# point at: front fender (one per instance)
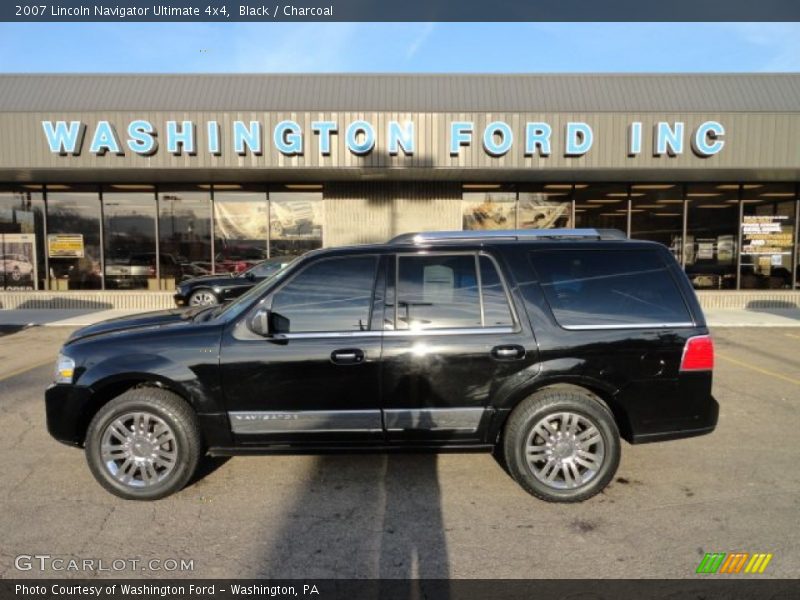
(199, 389)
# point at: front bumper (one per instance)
(68, 411)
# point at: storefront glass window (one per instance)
(544, 207)
(295, 222)
(657, 214)
(184, 218)
(489, 210)
(73, 237)
(601, 206)
(129, 218)
(22, 239)
(711, 235)
(768, 215)
(241, 227)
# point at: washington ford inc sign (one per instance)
(497, 138)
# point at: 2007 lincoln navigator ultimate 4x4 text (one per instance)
(548, 346)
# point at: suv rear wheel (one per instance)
(143, 445)
(562, 445)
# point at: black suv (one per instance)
(547, 346)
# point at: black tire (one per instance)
(164, 409)
(548, 406)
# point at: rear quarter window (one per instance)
(588, 288)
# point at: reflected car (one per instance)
(216, 289)
(16, 267)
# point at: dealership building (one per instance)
(115, 187)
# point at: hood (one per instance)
(212, 280)
(161, 318)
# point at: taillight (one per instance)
(698, 354)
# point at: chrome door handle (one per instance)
(508, 352)
(349, 356)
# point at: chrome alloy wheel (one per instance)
(564, 450)
(139, 449)
(202, 298)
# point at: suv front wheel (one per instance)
(144, 444)
(562, 445)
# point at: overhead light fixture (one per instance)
(714, 206)
(703, 194)
(29, 186)
(58, 186)
(481, 186)
(653, 186)
(604, 201)
(560, 186)
(647, 205)
(777, 195)
(622, 194)
(131, 186)
(735, 186)
(669, 201)
(586, 206)
(667, 214)
(612, 214)
(226, 186)
(303, 186)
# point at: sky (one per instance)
(399, 47)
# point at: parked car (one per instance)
(133, 271)
(16, 267)
(549, 346)
(215, 289)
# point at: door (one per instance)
(316, 377)
(451, 340)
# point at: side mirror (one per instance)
(260, 322)
(249, 275)
(267, 323)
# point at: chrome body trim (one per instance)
(629, 326)
(305, 421)
(392, 333)
(465, 420)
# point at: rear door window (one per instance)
(609, 288)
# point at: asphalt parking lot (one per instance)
(451, 515)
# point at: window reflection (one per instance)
(241, 228)
(489, 210)
(331, 295)
(73, 238)
(768, 222)
(22, 263)
(295, 222)
(601, 206)
(711, 234)
(544, 207)
(657, 214)
(185, 227)
(130, 238)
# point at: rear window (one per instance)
(609, 288)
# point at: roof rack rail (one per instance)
(508, 234)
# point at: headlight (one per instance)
(65, 369)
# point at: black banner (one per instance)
(709, 587)
(405, 10)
